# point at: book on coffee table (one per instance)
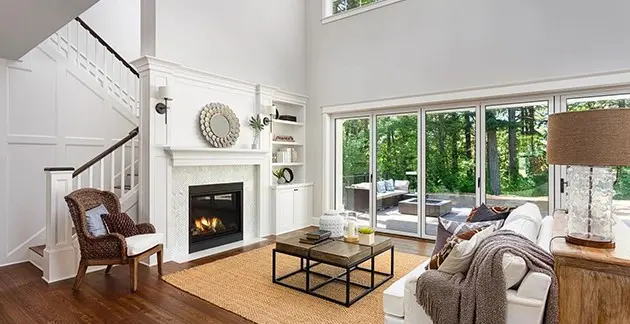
(318, 234)
(309, 241)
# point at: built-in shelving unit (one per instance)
(296, 130)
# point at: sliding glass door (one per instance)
(396, 199)
(516, 166)
(353, 185)
(450, 165)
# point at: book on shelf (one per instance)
(318, 234)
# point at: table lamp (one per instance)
(590, 142)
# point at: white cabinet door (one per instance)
(302, 201)
(284, 210)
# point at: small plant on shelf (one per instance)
(366, 235)
(258, 125)
(279, 174)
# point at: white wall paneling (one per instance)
(56, 115)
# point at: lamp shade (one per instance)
(598, 137)
(164, 92)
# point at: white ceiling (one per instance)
(26, 23)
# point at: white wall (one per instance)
(56, 115)
(416, 47)
(26, 23)
(118, 23)
(253, 40)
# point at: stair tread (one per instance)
(39, 249)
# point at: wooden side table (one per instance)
(594, 284)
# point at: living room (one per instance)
(333, 160)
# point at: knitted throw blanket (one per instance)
(479, 297)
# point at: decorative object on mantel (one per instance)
(219, 125)
(288, 118)
(283, 138)
(590, 142)
(278, 173)
(164, 93)
(258, 125)
(333, 222)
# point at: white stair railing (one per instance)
(83, 47)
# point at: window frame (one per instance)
(328, 16)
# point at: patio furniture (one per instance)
(358, 196)
(433, 207)
(110, 249)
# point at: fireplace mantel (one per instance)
(199, 156)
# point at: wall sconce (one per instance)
(162, 108)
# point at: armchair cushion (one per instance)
(139, 243)
(94, 222)
(120, 223)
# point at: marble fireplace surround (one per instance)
(198, 166)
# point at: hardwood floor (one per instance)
(26, 298)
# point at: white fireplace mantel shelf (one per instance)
(199, 156)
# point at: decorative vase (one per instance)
(366, 239)
(333, 222)
(280, 180)
(256, 143)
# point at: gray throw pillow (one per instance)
(95, 225)
(380, 187)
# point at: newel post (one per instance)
(59, 255)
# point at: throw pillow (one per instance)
(401, 185)
(389, 185)
(447, 228)
(380, 187)
(94, 222)
(458, 261)
(120, 223)
(486, 213)
(438, 258)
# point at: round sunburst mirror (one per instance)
(219, 125)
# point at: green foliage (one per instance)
(278, 173)
(256, 123)
(366, 230)
(516, 150)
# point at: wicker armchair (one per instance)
(110, 249)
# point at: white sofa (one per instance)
(526, 291)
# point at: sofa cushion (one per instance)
(514, 269)
(460, 258)
(94, 222)
(545, 233)
(393, 296)
(139, 243)
(389, 185)
(523, 227)
(527, 211)
(401, 185)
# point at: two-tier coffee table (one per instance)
(337, 253)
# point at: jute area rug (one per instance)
(242, 284)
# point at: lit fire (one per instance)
(208, 224)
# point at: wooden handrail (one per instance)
(132, 134)
(109, 48)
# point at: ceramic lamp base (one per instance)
(593, 241)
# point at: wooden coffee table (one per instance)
(338, 253)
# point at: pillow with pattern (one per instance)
(389, 185)
(458, 228)
(489, 213)
(120, 223)
(438, 258)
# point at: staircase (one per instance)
(115, 169)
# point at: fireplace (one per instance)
(215, 215)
